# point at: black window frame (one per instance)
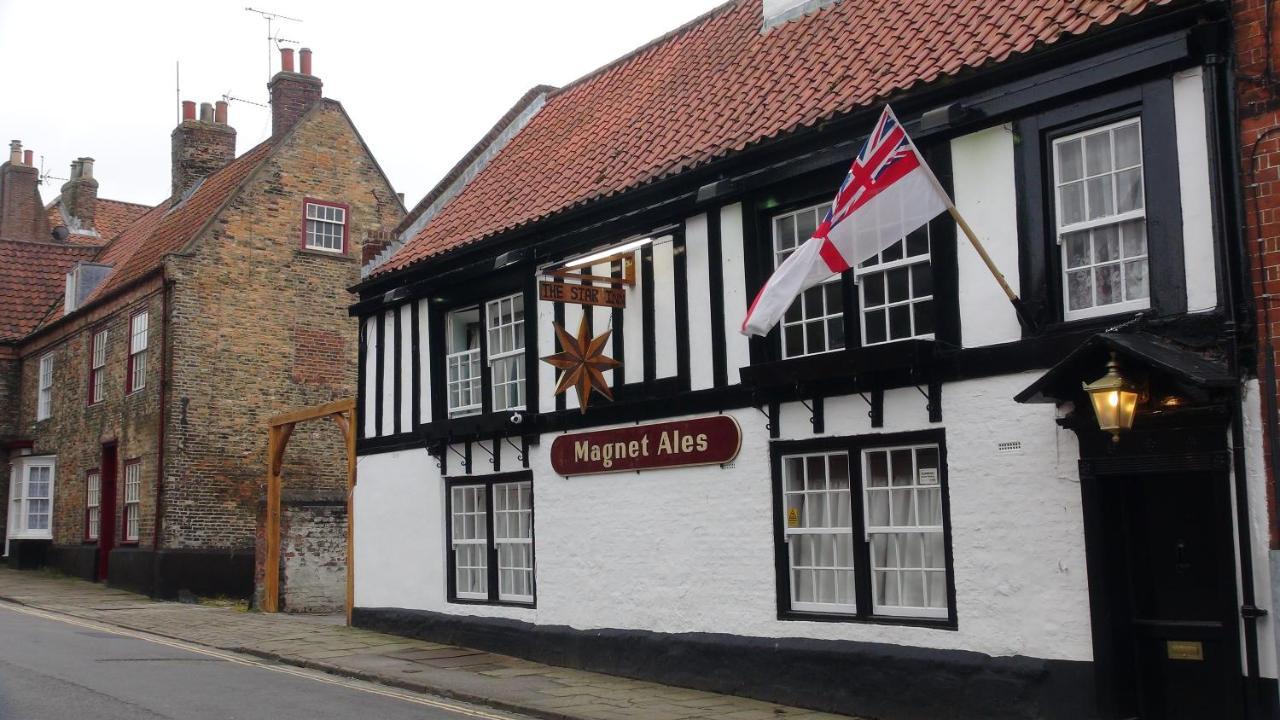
(818, 187)
(488, 481)
(854, 445)
(1040, 256)
(518, 280)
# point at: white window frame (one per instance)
(782, 248)
(97, 368)
(506, 355)
(878, 265)
(464, 391)
(819, 531)
(139, 331)
(132, 498)
(1116, 219)
(901, 529)
(513, 530)
(321, 221)
(21, 498)
(92, 504)
(44, 393)
(478, 536)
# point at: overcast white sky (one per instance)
(422, 80)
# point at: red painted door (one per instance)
(107, 529)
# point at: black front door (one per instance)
(1171, 576)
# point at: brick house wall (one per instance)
(256, 312)
(76, 430)
(1258, 103)
(9, 373)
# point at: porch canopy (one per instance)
(1172, 369)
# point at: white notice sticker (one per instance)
(928, 476)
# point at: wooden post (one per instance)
(271, 564)
(279, 430)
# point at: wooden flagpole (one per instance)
(1023, 316)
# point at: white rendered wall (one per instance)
(406, 367)
(982, 165)
(1193, 180)
(388, 373)
(633, 328)
(701, 324)
(691, 550)
(1259, 529)
(370, 331)
(424, 365)
(545, 315)
(664, 306)
(733, 275)
(601, 320)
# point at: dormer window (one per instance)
(325, 227)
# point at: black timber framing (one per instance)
(715, 286)
(415, 350)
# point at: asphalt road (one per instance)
(61, 669)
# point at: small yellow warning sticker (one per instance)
(793, 517)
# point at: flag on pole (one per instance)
(888, 193)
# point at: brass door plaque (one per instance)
(1185, 650)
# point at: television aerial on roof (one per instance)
(274, 41)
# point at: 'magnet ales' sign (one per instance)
(701, 441)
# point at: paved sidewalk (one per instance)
(496, 680)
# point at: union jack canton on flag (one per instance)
(889, 192)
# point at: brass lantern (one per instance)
(1114, 398)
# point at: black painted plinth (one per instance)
(874, 680)
(163, 574)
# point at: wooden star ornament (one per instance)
(582, 363)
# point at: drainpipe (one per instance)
(165, 364)
(1222, 80)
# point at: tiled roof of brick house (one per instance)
(32, 282)
(719, 85)
(111, 217)
(165, 230)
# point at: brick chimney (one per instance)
(21, 211)
(292, 93)
(80, 193)
(201, 146)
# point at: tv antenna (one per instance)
(273, 37)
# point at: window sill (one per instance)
(343, 257)
(930, 623)
(497, 603)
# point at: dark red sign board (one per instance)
(711, 440)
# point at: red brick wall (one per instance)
(260, 328)
(1258, 98)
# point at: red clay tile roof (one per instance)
(718, 85)
(164, 230)
(111, 217)
(33, 282)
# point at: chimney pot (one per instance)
(188, 110)
(15, 152)
(292, 95)
(27, 158)
(220, 112)
(286, 59)
(199, 149)
(86, 168)
(206, 113)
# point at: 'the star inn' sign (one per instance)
(582, 363)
